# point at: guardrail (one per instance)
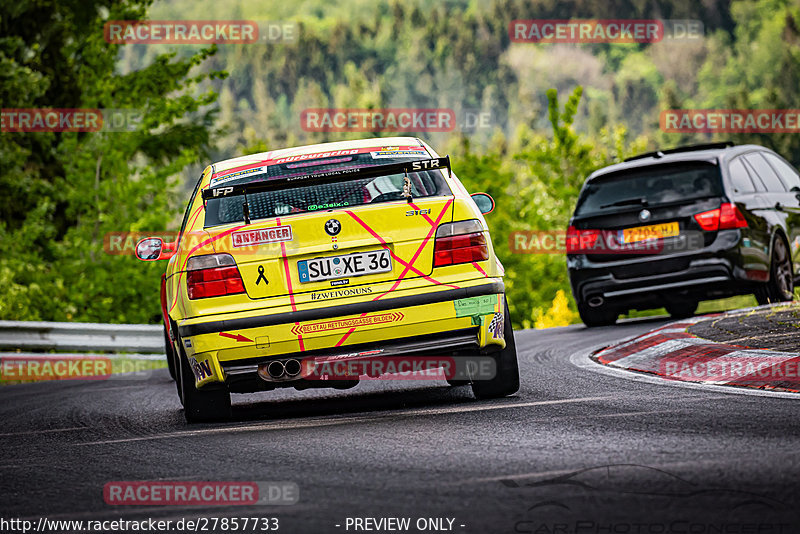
(82, 337)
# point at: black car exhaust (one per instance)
(596, 301)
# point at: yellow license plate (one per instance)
(653, 231)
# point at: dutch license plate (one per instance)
(358, 264)
(653, 231)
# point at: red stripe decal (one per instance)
(408, 266)
(474, 264)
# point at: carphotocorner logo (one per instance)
(198, 32)
(618, 31)
(657, 501)
(730, 120)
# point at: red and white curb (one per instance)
(672, 353)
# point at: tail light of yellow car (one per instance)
(213, 275)
(460, 242)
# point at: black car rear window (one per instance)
(347, 192)
(651, 186)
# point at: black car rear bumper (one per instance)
(698, 280)
(712, 272)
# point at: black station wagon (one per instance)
(674, 227)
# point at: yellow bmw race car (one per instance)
(314, 266)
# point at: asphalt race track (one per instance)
(574, 451)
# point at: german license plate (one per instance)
(358, 264)
(653, 231)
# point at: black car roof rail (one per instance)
(687, 148)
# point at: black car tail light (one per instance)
(580, 240)
(726, 217)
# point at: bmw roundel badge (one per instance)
(333, 227)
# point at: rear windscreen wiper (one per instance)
(641, 201)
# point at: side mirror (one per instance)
(484, 202)
(149, 248)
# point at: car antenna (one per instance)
(246, 208)
(407, 186)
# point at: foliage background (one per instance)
(558, 112)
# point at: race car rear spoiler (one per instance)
(327, 176)
(323, 177)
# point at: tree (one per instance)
(535, 181)
(62, 192)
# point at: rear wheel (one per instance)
(456, 383)
(780, 287)
(211, 403)
(170, 352)
(506, 380)
(177, 354)
(681, 310)
(600, 316)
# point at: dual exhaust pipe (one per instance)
(280, 370)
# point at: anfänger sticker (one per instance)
(262, 235)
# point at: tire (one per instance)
(681, 310)
(169, 350)
(506, 380)
(457, 383)
(599, 316)
(211, 403)
(177, 354)
(780, 287)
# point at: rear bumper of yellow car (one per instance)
(404, 322)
